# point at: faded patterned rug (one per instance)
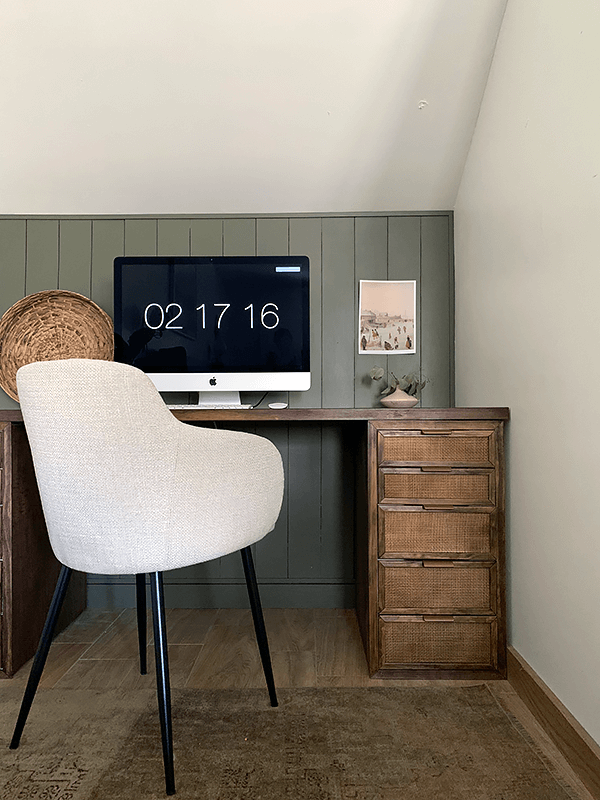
(384, 743)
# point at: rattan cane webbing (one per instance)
(434, 532)
(436, 643)
(460, 449)
(468, 487)
(436, 588)
(48, 326)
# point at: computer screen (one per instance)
(214, 324)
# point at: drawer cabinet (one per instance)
(435, 597)
(28, 568)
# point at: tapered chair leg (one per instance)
(259, 622)
(140, 601)
(41, 654)
(163, 687)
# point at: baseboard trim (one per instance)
(576, 745)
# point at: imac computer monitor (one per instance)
(214, 325)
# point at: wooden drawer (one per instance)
(407, 531)
(437, 587)
(446, 643)
(452, 448)
(437, 489)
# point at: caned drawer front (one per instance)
(452, 448)
(436, 488)
(437, 588)
(419, 642)
(402, 531)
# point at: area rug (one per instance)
(377, 743)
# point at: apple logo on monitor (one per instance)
(213, 381)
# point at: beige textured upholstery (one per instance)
(125, 487)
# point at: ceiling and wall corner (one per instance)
(527, 241)
(130, 107)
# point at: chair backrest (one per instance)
(125, 486)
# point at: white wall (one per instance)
(528, 326)
(238, 106)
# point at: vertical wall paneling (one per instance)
(305, 240)
(338, 325)
(108, 242)
(404, 264)
(304, 472)
(371, 252)
(242, 237)
(229, 567)
(272, 552)
(12, 261)
(272, 239)
(239, 237)
(337, 506)
(308, 559)
(75, 255)
(174, 237)
(207, 237)
(12, 266)
(198, 577)
(141, 237)
(437, 340)
(42, 255)
(304, 485)
(451, 311)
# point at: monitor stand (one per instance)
(213, 400)
(216, 399)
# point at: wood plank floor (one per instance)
(217, 649)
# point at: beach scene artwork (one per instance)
(387, 316)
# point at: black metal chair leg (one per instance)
(140, 600)
(163, 687)
(259, 622)
(41, 654)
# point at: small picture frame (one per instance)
(387, 312)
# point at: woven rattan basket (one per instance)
(50, 325)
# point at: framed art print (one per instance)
(387, 317)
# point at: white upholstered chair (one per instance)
(128, 489)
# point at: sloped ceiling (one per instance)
(231, 106)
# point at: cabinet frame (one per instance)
(402, 447)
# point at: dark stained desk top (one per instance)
(317, 414)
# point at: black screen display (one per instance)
(221, 314)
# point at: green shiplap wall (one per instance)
(308, 560)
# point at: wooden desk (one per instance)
(28, 568)
(429, 495)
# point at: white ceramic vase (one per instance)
(399, 399)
